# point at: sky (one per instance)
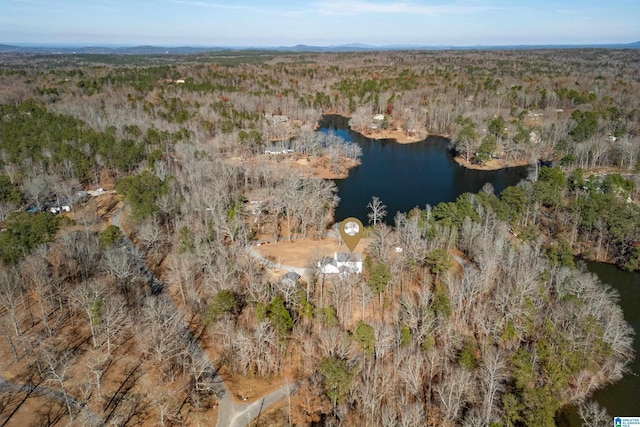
(263, 23)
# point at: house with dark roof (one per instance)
(290, 279)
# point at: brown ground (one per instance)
(35, 409)
(43, 410)
(491, 164)
(95, 213)
(319, 167)
(299, 253)
(401, 137)
(32, 410)
(457, 268)
(309, 166)
(246, 389)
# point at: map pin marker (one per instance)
(351, 230)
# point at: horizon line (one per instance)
(279, 46)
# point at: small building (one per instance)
(278, 151)
(290, 279)
(59, 209)
(377, 121)
(276, 118)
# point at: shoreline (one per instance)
(491, 165)
(317, 167)
(401, 137)
(398, 136)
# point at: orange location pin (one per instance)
(351, 230)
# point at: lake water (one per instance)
(621, 399)
(404, 176)
(407, 175)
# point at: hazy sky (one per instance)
(321, 22)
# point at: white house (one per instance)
(278, 151)
(342, 262)
(377, 121)
(276, 118)
(328, 265)
(59, 209)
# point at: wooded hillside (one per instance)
(144, 305)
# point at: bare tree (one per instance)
(413, 415)
(452, 391)
(378, 210)
(593, 415)
(361, 118)
(6, 208)
(381, 242)
(257, 351)
(410, 373)
(119, 263)
(56, 366)
(96, 366)
(150, 233)
(38, 189)
(89, 297)
(114, 323)
(158, 330)
(35, 270)
(308, 404)
(183, 272)
(11, 296)
(493, 376)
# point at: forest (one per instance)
(132, 189)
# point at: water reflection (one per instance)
(621, 399)
(404, 176)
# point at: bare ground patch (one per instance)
(491, 164)
(305, 252)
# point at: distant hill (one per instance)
(129, 50)
(352, 47)
(8, 48)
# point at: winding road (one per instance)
(234, 414)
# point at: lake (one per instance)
(621, 399)
(404, 176)
(407, 175)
